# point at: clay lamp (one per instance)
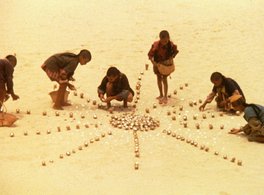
(58, 129)
(136, 166)
(12, 134)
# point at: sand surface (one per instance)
(225, 36)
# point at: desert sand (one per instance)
(219, 35)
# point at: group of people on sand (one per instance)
(115, 85)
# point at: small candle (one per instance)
(136, 166)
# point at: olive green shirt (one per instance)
(65, 61)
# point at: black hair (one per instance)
(216, 76)
(112, 71)
(12, 58)
(85, 54)
(164, 34)
(240, 101)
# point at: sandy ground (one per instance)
(225, 36)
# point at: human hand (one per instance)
(101, 96)
(14, 96)
(71, 79)
(234, 131)
(71, 86)
(108, 99)
(201, 108)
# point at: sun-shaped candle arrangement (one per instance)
(183, 122)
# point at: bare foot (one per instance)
(165, 100)
(57, 107)
(159, 97)
(66, 104)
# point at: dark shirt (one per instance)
(6, 75)
(66, 61)
(230, 86)
(161, 53)
(120, 84)
(254, 111)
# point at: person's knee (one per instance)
(130, 97)
(109, 89)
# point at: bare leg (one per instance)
(60, 97)
(2, 95)
(165, 84)
(159, 82)
(125, 103)
(109, 92)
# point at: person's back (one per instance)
(121, 84)
(6, 78)
(235, 86)
(5, 67)
(254, 110)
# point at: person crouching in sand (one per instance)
(223, 89)
(7, 66)
(254, 115)
(162, 52)
(60, 68)
(116, 87)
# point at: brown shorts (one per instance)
(54, 75)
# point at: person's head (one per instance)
(237, 102)
(112, 74)
(84, 56)
(164, 37)
(217, 79)
(12, 60)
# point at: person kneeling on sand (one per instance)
(116, 87)
(253, 114)
(60, 68)
(223, 89)
(7, 66)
